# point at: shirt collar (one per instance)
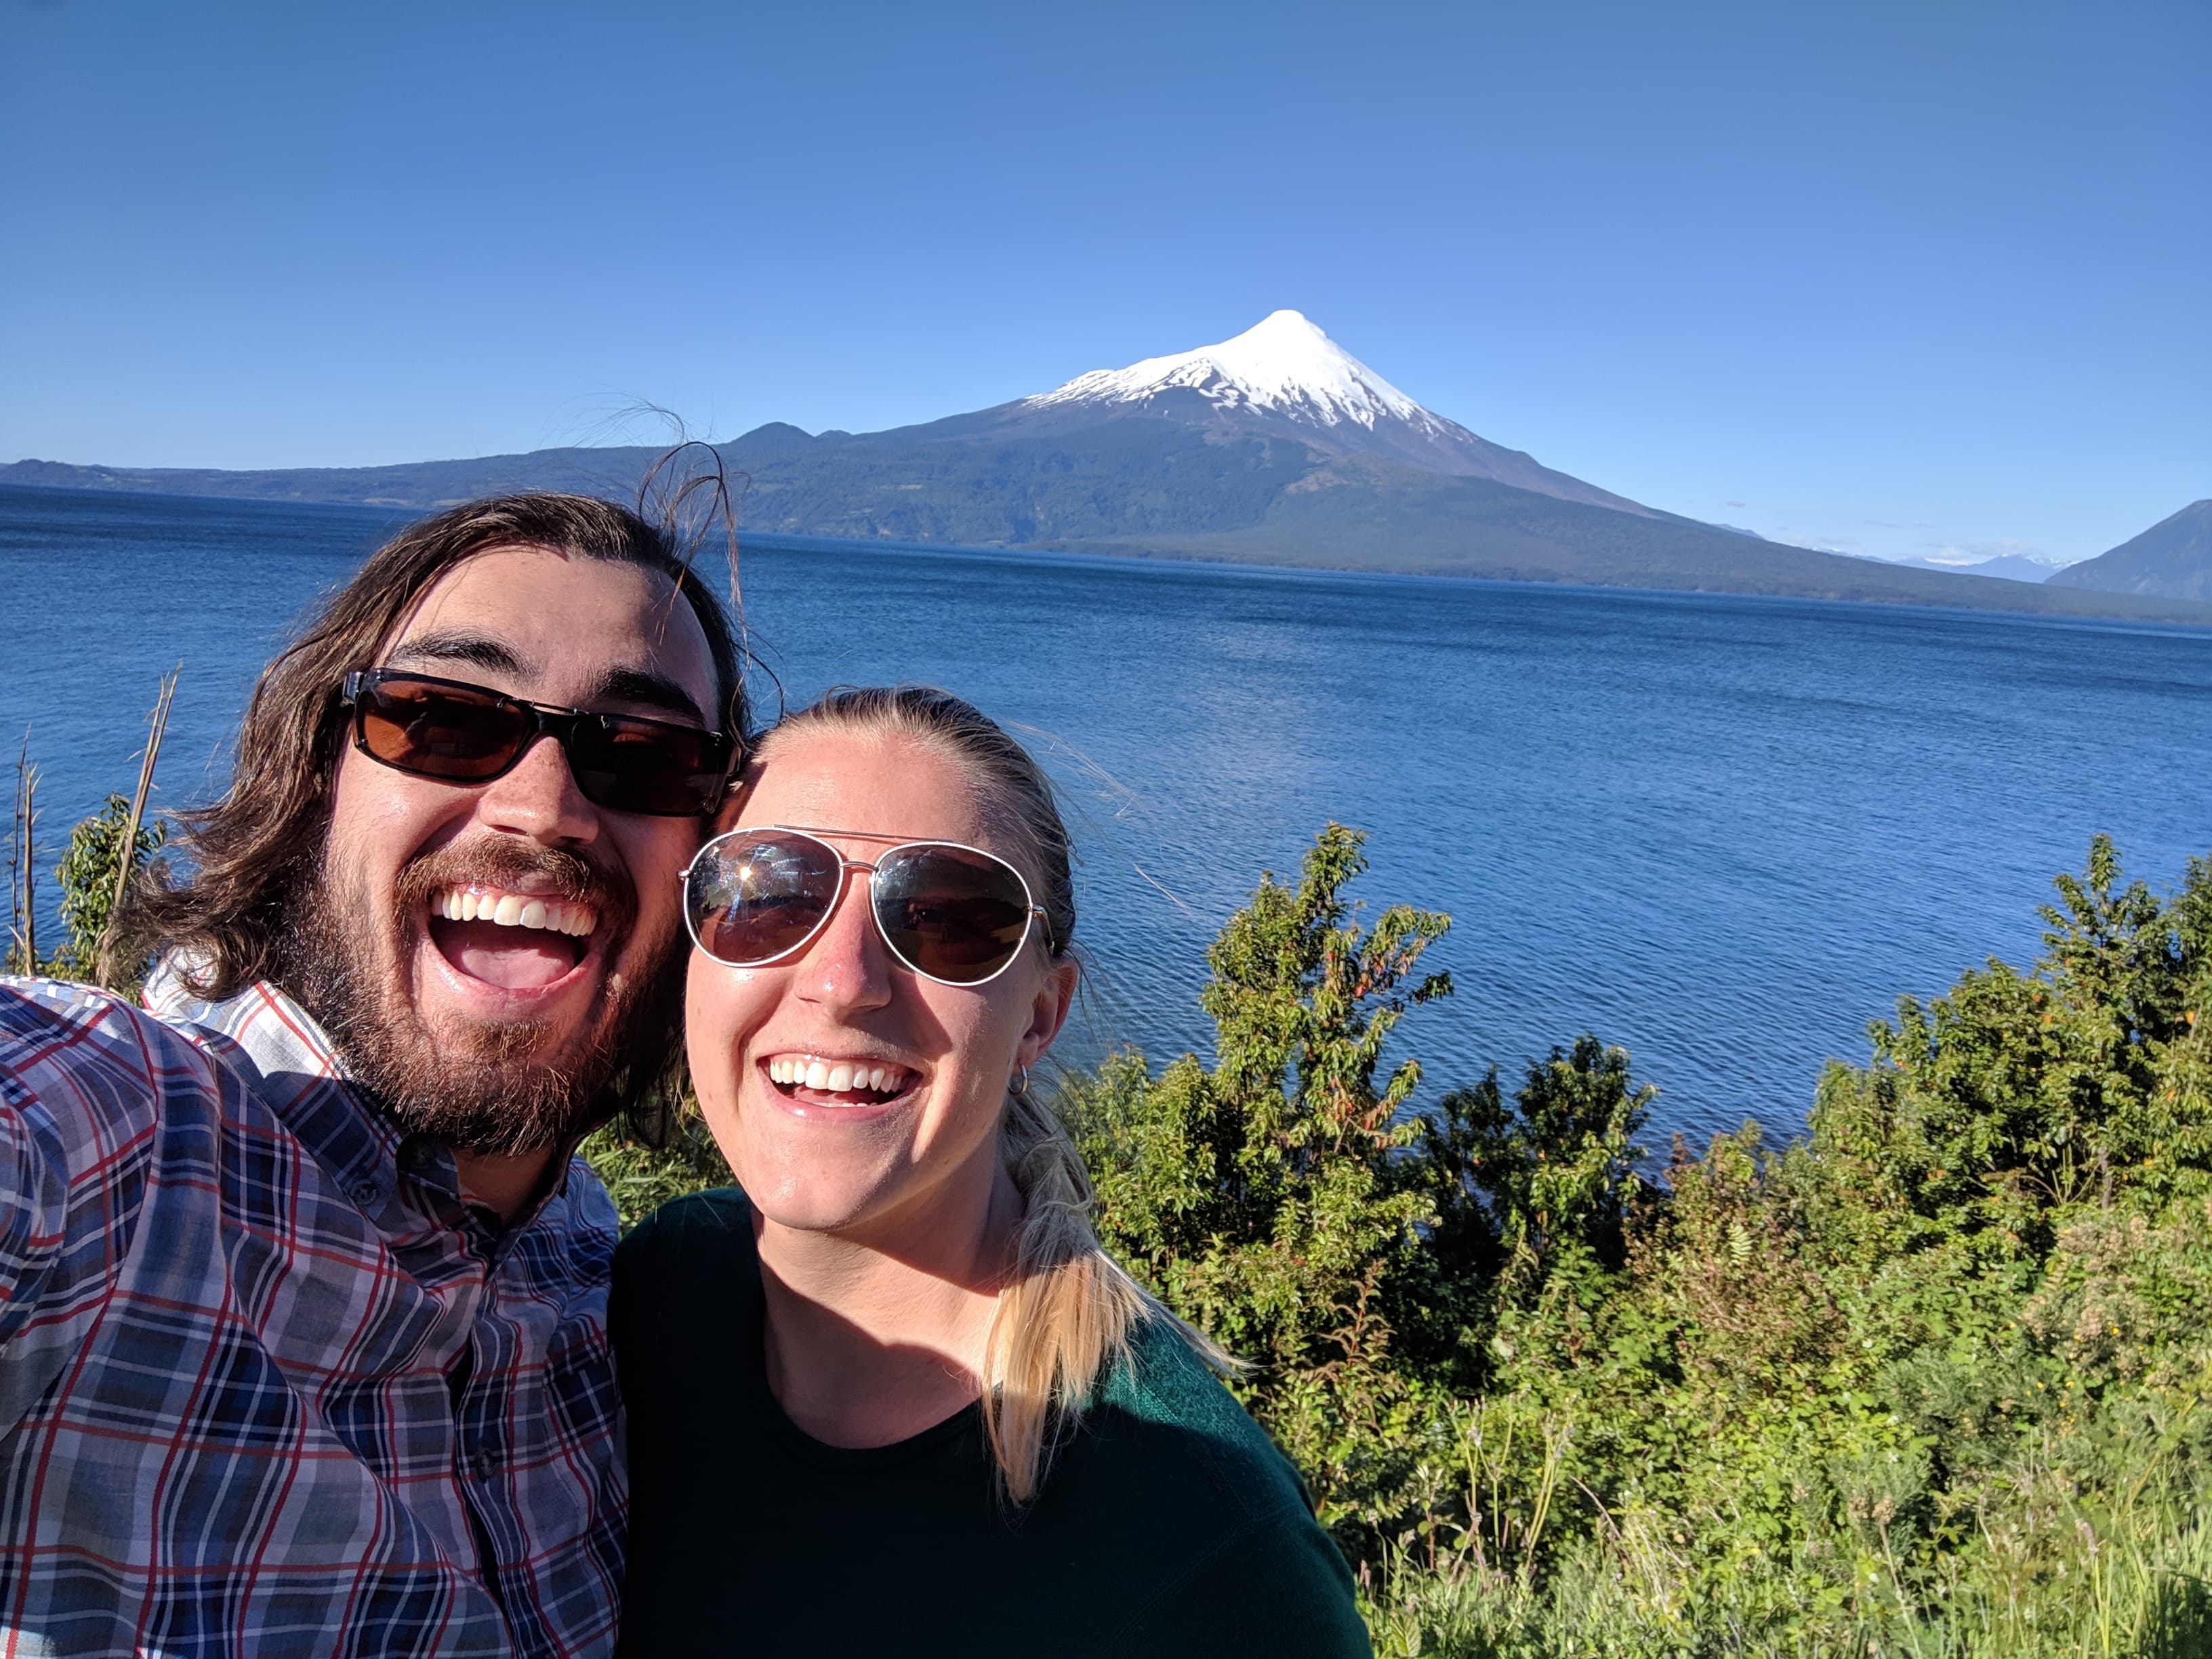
(291, 1063)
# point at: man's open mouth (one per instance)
(516, 941)
(822, 1080)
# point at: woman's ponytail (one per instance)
(1065, 1314)
(1066, 1317)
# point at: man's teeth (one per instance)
(514, 910)
(837, 1077)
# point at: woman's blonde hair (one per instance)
(1068, 1311)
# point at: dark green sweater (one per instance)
(1169, 1524)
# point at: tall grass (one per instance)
(2051, 1569)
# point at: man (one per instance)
(302, 1296)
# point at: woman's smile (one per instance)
(843, 1083)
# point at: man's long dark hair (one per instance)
(252, 854)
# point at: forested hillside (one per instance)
(1158, 488)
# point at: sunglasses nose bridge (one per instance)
(543, 795)
(540, 723)
(853, 875)
(846, 961)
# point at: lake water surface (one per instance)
(1724, 833)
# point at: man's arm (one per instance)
(79, 1115)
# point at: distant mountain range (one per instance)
(1275, 448)
(2011, 566)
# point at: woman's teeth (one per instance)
(837, 1076)
(514, 910)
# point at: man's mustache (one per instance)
(503, 862)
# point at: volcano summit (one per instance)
(1284, 379)
(1276, 446)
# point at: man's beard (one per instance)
(480, 1090)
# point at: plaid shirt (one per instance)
(269, 1384)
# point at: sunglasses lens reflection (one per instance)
(952, 914)
(752, 898)
(646, 769)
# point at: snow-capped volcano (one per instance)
(1282, 365)
(1284, 379)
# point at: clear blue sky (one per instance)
(1889, 278)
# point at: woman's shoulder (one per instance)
(1168, 1456)
(1166, 1392)
(706, 1228)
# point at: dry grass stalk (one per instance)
(23, 864)
(157, 721)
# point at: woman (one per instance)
(890, 1397)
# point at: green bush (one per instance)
(86, 876)
(1932, 1379)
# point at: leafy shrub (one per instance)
(1932, 1379)
(86, 875)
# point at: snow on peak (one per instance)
(1282, 365)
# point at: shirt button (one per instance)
(365, 1192)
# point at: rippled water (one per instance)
(1723, 832)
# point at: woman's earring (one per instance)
(1022, 1086)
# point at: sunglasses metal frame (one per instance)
(544, 719)
(1034, 922)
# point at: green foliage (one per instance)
(642, 1178)
(87, 874)
(1289, 1201)
(1932, 1380)
(1557, 1172)
(1266, 1198)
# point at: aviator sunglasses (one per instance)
(463, 734)
(951, 913)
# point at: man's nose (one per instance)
(540, 798)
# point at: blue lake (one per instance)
(1724, 833)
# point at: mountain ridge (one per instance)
(2171, 559)
(2005, 567)
(1275, 446)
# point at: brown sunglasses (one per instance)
(463, 734)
